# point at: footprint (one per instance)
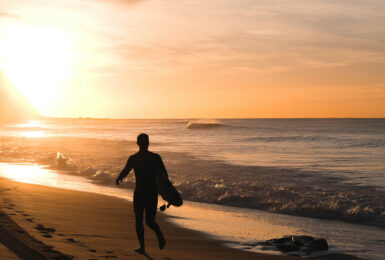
(43, 229)
(46, 232)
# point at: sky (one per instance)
(196, 58)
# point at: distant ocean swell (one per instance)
(338, 142)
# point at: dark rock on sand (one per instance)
(317, 245)
(287, 248)
(295, 245)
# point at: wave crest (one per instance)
(204, 124)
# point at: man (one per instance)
(145, 164)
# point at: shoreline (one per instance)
(332, 196)
(53, 224)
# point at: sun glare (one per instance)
(37, 60)
(23, 173)
(33, 134)
(34, 129)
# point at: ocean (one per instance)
(320, 168)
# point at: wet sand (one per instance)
(50, 223)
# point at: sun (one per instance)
(38, 61)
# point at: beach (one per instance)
(92, 226)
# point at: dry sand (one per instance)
(38, 222)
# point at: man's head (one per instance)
(143, 141)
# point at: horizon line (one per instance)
(204, 118)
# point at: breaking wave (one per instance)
(204, 124)
(284, 191)
(319, 139)
(327, 203)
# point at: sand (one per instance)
(6, 253)
(38, 222)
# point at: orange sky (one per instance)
(195, 58)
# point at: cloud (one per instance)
(261, 36)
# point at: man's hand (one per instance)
(118, 181)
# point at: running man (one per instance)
(145, 165)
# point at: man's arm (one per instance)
(125, 171)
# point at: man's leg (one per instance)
(138, 210)
(151, 208)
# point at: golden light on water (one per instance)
(38, 60)
(32, 124)
(33, 134)
(35, 131)
(23, 173)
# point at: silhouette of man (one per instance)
(145, 165)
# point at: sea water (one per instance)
(354, 148)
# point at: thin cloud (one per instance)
(262, 35)
(123, 2)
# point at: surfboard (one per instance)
(167, 190)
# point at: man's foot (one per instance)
(140, 250)
(162, 243)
